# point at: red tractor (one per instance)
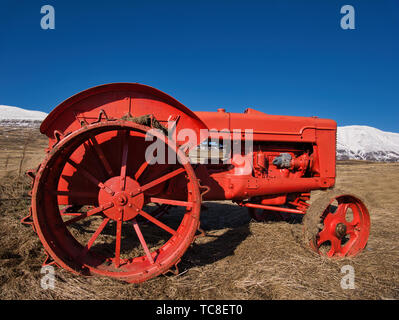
(97, 173)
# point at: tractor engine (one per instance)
(288, 155)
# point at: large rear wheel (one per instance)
(93, 198)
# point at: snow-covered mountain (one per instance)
(353, 142)
(367, 143)
(13, 116)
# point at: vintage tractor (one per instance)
(100, 197)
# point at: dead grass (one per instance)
(20, 149)
(238, 259)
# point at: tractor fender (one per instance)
(114, 101)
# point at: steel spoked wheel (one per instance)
(341, 228)
(100, 175)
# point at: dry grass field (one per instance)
(238, 258)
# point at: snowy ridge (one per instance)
(367, 143)
(14, 116)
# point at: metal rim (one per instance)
(344, 228)
(121, 199)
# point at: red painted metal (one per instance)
(272, 208)
(96, 168)
(114, 101)
(119, 203)
(346, 227)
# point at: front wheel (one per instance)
(337, 225)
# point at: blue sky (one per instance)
(281, 57)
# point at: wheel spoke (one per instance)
(335, 247)
(124, 159)
(71, 210)
(88, 145)
(323, 236)
(101, 156)
(141, 170)
(89, 176)
(155, 182)
(142, 241)
(172, 202)
(349, 244)
(118, 243)
(157, 222)
(329, 219)
(96, 234)
(89, 213)
(74, 194)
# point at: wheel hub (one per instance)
(340, 230)
(126, 207)
(122, 200)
